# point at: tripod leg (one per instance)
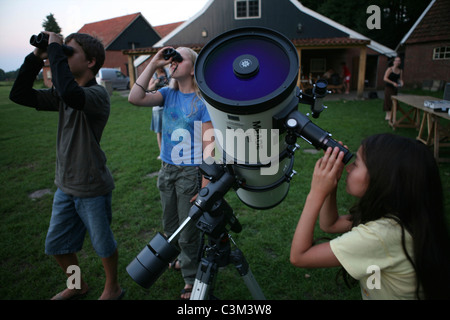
(253, 286)
(199, 291)
(243, 268)
(204, 279)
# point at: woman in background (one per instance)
(393, 77)
(178, 179)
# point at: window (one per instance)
(441, 53)
(120, 75)
(247, 9)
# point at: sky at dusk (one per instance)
(20, 19)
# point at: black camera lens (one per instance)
(172, 53)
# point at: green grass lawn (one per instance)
(27, 164)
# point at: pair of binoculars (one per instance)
(172, 53)
(41, 41)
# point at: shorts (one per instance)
(72, 217)
(156, 124)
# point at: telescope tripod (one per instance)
(214, 218)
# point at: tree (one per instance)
(50, 24)
(397, 16)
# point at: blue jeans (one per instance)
(72, 217)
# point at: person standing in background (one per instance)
(393, 77)
(82, 202)
(178, 180)
(346, 76)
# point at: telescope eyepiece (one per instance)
(320, 88)
(303, 127)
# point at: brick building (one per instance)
(321, 43)
(426, 48)
(126, 32)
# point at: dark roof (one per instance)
(284, 16)
(434, 26)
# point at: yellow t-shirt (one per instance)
(372, 253)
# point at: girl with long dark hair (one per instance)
(395, 240)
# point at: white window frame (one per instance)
(247, 8)
(441, 53)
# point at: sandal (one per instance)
(186, 291)
(74, 296)
(175, 265)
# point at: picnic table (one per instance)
(431, 132)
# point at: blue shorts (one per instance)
(72, 217)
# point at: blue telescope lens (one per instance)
(273, 69)
(247, 70)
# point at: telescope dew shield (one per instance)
(152, 261)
